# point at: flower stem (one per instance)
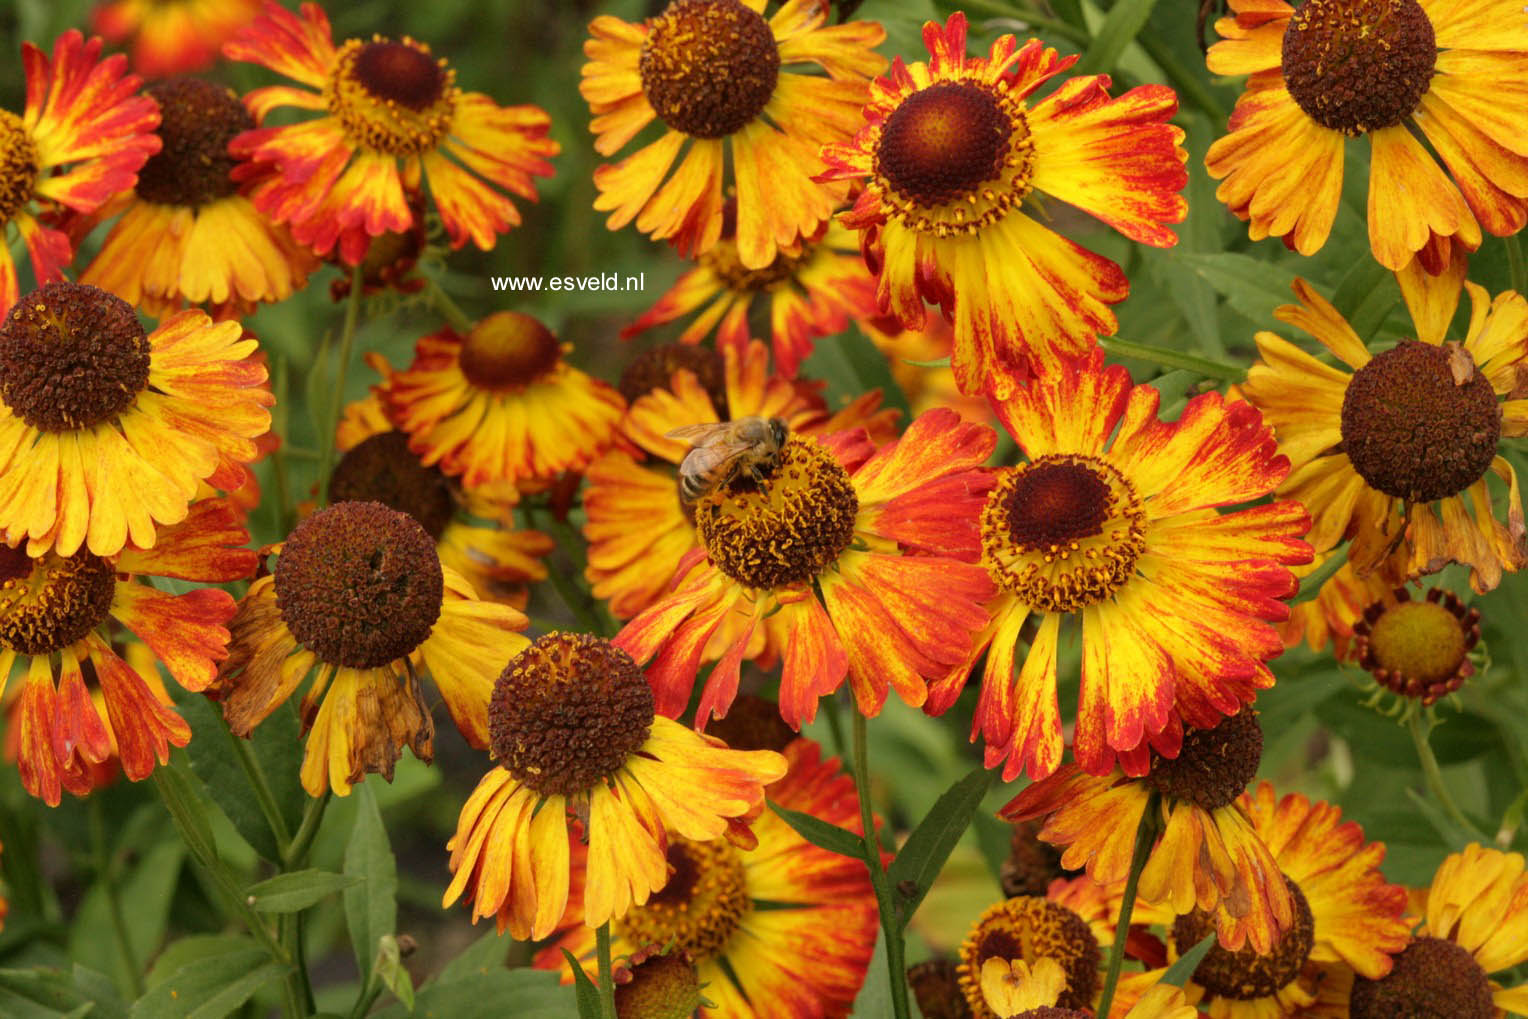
(337, 398)
(607, 979)
(106, 875)
(448, 309)
(1145, 836)
(285, 510)
(262, 787)
(1434, 775)
(896, 966)
(296, 854)
(1515, 270)
(1208, 367)
(1032, 20)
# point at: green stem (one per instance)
(368, 997)
(1516, 273)
(1434, 776)
(106, 874)
(448, 309)
(1145, 837)
(285, 510)
(296, 854)
(337, 398)
(891, 928)
(1208, 367)
(578, 600)
(607, 978)
(262, 787)
(185, 812)
(289, 930)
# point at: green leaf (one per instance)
(588, 995)
(874, 998)
(923, 854)
(275, 745)
(145, 893)
(43, 994)
(822, 834)
(485, 954)
(1118, 30)
(504, 992)
(1179, 972)
(206, 979)
(178, 791)
(295, 892)
(98, 988)
(393, 974)
(1250, 285)
(371, 905)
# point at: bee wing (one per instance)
(698, 435)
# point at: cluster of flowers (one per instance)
(802, 177)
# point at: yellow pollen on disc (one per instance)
(1063, 532)
(393, 98)
(787, 529)
(18, 165)
(700, 908)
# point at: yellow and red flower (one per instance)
(857, 554)
(501, 404)
(1348, 920)
(1475, 924)
(359, 595)
(1416, 426)
(1115, 520)
(639, 532)
(583, 757)
(812, 290)
(784, 927)
(950, 150)
(393, 121)
(98, 458)
(56, 616)
(172, 36)
(83, 135)
(185, 235)
(1207, 854)
(1397, 71)
(713, 72)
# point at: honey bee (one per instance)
(720, 452)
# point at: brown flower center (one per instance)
(18, 165)
(943, 142)
(787, 530)
(394, 98)
(1052, 1012)
(50, 602)
(1063, 532)
(508, 350)
(567, 712)
(700, 908)
(1420, 422)
(709, 66)
(1030, 928)
(359, 585)
(197, 119)
(383, 469)
(937, 990)
(753, 723)
(1359, 65)
(71, 357)
(655, 368)
(1431, 979)
(1031, 865)
(1215, 765)
(1418, 648)
(1245, 974)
